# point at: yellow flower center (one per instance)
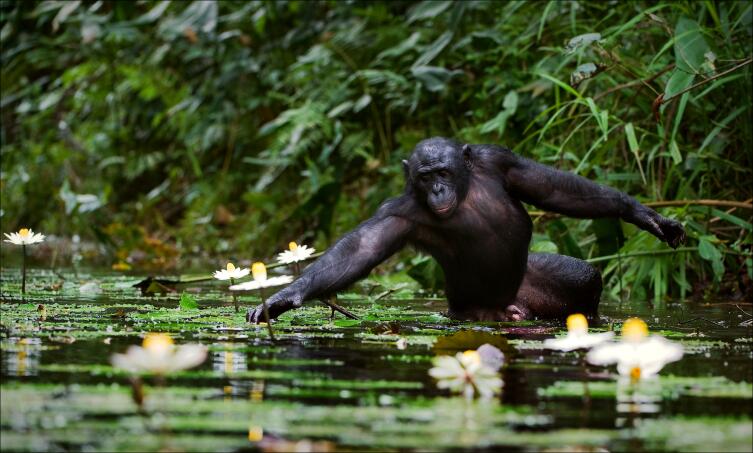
(157, 342)
(473, 356)
(577, 323)
(230, 267)
(635, 373)
(23, 232)
(255, 433)
(292, 246)
(259, 271)
(634, 329)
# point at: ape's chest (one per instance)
(483, 227)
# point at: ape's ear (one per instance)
(406, 170)
(467, 157)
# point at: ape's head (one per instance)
(438, 171)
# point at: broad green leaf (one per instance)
(188, 302)
(631, 138)
(708, 251)
(403, 47)
(434, 49)
(427, 9)
(690, 47)
(674, 151)
(432, 77)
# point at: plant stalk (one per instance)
(23, 269)
(266, 314)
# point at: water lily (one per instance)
(158, 354)
(467, 373)
(259, 272)
(260, 281)
(295, 254)
(230, 272)
(637, 355)
(24, 237)
(577, 336)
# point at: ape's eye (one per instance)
(443, 173)
(425, 177)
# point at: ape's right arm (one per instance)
(351, 258)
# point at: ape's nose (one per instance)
(437, 189)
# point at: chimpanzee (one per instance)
(463, 205)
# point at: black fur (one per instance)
(462, 205)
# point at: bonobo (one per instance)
(463, 205)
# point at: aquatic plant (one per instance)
(470, 372)
(295, 254)
(260, 281)
(637, 355)
(577, 336)
(24, 237)
(158, 354)
(231, 273)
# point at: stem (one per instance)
(652, 253)
(705, 81)
(331, 304)
(235, 298)
(297, 269)
(266, 314)
(23, 269)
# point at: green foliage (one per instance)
(230, 128)
(188, 302)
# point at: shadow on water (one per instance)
(349, 384)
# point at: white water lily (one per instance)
(25, 236)
(295, 253)
(637, 355)
(259, 272)
(230, 272)
(577, 336)
(466, 373)
(159, 355)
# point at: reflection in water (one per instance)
(230, 362)
(21, 356)
(637, 400)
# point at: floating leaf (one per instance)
(188, 302)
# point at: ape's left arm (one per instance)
(575, 196)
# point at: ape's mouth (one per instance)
(444, 210)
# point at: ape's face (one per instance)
(439, 175)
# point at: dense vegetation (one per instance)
(230, 128)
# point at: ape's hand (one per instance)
(285, 300)
(668, 230)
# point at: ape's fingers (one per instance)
(254, 315)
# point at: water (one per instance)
(339, 384)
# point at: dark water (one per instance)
(329, 385)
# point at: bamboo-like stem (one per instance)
(266, 314)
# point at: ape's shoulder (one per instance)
(494, 156)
